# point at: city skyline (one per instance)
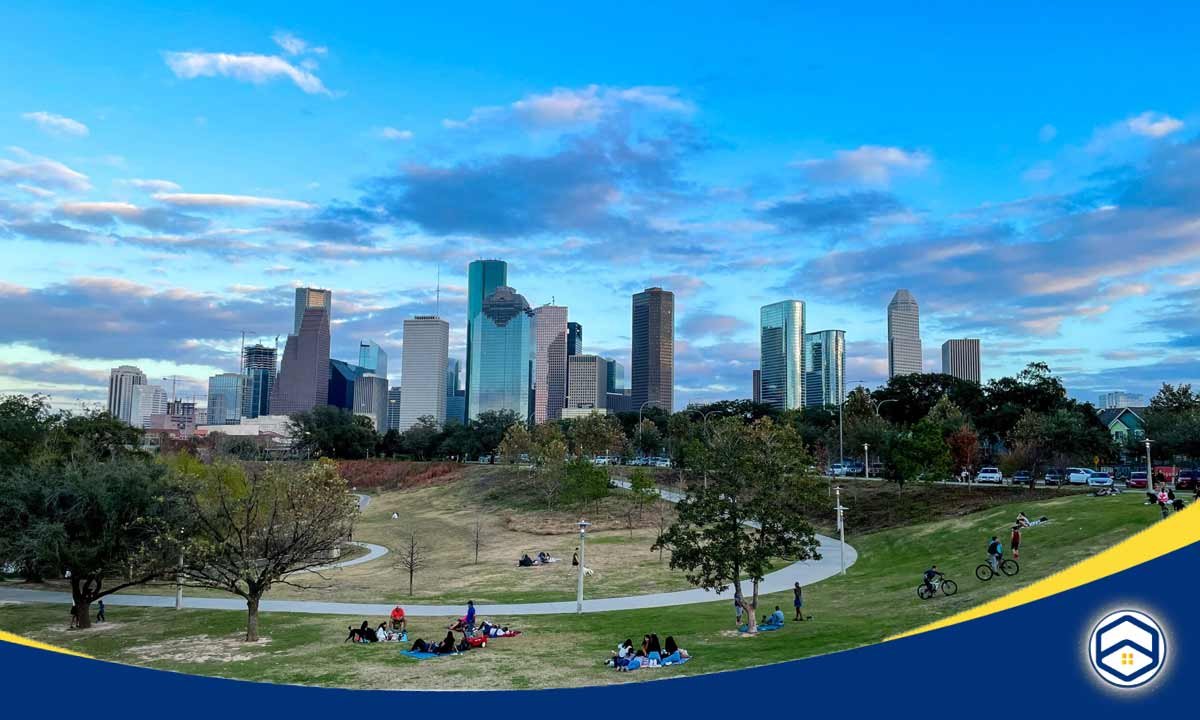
(1052, 220)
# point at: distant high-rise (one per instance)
(483, 277)
(258, 363)
(342, 376)
(121, 381)
(500, 363)
(756, 386)
(423, 371)
(824, 368)
(303, 379)
(393, 408)
(960, 358)
(574, 338)
(225, 393)
(371, 398)
(1120, 399)
(904, 335)
(311, 298)
(373, 358)
(653, 357)
(456, 397)
(616, 376)
(781, 354)
(589, 382)
(147, 400)
(550, 362)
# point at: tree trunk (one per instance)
(410, 580)
(252, 619)
(751, 612)
(83, 605)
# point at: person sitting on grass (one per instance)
(623, 652)
(361, 634)
(525, 561)
(634, 663)
(446, 647)
(672, 653)
(775, 618)
(398, 620)
(544, 557)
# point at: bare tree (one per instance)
(412, 558)
(477, 536)
(262, 525)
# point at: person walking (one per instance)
(100, 611)
(1015, 542)
(798, 601)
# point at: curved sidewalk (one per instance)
(805, 572)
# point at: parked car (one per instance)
(990, 475)
(1098, 478)
(1053, 477)
(1186, 479)
(1021, 477)
(839, 469)
(1137, 479)
(1078, 476)
(856, 468)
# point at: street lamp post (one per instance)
(841, 525)
(583, 526)
(866, 461)
(881, 403)
(1149, 470)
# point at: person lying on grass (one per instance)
(489, 630)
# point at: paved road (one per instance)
(806, 573)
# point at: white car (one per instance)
(1078, 476)
(662, 462)
(839, 469)
(1099, 479)
(990, 475)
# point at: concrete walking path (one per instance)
(805, 572)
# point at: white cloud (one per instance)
(868, 164)
(1152, 124)
(42, 172)
(1047, 133)
(221, 200)
(294, 45)
(35, 191)
(153, 185)
(574, 106)
(56, 124)
(1039, 172)
(120, 209)
(391, 133)
(247, 67)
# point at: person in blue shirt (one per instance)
(470, 613)
(930, 574)
(775, 618)
(995, 553)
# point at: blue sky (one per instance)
(1031, 174)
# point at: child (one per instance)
(1015, 542)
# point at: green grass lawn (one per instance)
(877, 598)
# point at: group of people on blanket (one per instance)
(627, 657)
(397, 631)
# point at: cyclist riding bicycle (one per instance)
(995, 553)
(930, 574)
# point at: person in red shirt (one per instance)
(398, 621)
(1015, 542)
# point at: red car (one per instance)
(1137, 479)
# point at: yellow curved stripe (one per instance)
(18, 640)
(1176, 531)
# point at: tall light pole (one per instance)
(583, 526)
(866, 461)
(1149, 470)
(880, 404)
(841, 524)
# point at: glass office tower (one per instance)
(500, 363)
(225, 393)
(782, 354)
(824, 368)
(483, 277)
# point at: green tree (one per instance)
(647, 438)
(1173, 398)
(750, 512)
(597, 434)
(517, 442)
(919, 454)
(108, 525)
(93, 436)
(25, 423)
(641, 495)
(489, 428)
(327, 431)
(238, 447)
(423, 439)
(584, 484)
(261, 525)
(915, 395)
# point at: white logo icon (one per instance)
(1127, 648)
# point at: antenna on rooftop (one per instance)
(437, 307)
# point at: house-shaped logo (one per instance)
(1127, 648)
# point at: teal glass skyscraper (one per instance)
(483, 277)
(824, 368)
(781, 354)
(500, 363)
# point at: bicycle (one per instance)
(1007, 566)
(946, 585)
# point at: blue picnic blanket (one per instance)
(761, 628)
(420, 655)
(680, 661)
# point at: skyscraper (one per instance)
(616, 376)
(393, 408)
(960, 358)
(225, 393)
(781, 354)
(824, 368)
(550, 362)
(147, 400)
(342, 376)
(373, 358)
(121, 381)
(303, 379)
(500, 364)
(423, 372)
(574, 338)
(258, 363)
(904, 335)
(653, 357)
(371, 398)
(483, 277)
(589, 382)
(456, 397)
(756, 386)
(1119, 399)
(311, 298)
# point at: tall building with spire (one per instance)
(904, 335)
(781, 354)
(550, 362)
(652, 362)
(483, 277)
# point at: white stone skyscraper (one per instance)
(423, 370)
(549, 362)
(120, 391)
(960, 358)
(904, 335)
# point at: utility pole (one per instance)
(841, 525)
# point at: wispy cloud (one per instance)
(295, 45)
(221, 200)
(1153, 124)
(564, 107)
(56, 124)
(41, 172)
(867, 165)
(153, 185)
(246, 67)
(391, 133)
